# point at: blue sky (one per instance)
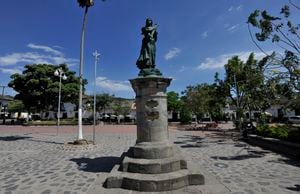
(196, 37)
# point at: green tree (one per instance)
(204, 98)
(37, 86)
(185, 115)
(15, 106)
(103, 101)
(121, 106)
(173, 101)
(284, 33)
(244, 85)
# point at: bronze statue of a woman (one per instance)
(146, 59)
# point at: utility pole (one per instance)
(59, 72)
(238, 116)
(96, 55)
(3, 88)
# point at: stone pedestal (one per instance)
(153, 163)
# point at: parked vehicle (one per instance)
(294, 120)
(247, 127)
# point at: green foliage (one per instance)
(121, 107)
(280, 132)
(204, 98)
(38, 87)
(103, 101)
(284, 132)
(173, 101)
(244, 85)
(185, 116)
(15, 106)
(283, 32)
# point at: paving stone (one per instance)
(46, 192)
(30, 169)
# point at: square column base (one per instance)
(152, 174)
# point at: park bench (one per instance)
(204, 126)
(209, 126)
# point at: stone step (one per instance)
(152, 150)
(154, 182)
(153, 166)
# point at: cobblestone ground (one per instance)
(35, 160)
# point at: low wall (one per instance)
(280, 146)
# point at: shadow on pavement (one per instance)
(198, 145)
(43, 141)
(295, 188)
(290, 161)
(220, 135)
(190, 138)
(102, 164)
(13, 138)
(238, 157)
(191, 141)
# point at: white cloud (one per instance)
(221, 60)
(172, 53)
(44, 48)
(231, 8)
(52, 57)
(237, 8)
(59, 47)
(10, 71)
(182, 68)
(240, 7)
(27, 57)
(34, 58)
(233, 27)
(113, 85)
(204, 34)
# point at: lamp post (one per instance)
(96, 55)
(3, 88)
(61, 74)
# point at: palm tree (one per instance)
(84, 4)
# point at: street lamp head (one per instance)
(96, 54)
(85, 3)
(64, 77)
(56, 73)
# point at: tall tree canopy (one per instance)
(38, 87)
(244, 84)
(173, 101)
(283, 32)
(103, 101)
(204, 98)
(121, 106)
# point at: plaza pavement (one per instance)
(35, 160)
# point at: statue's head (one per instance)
(149, 22)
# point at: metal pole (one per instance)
(3, 87)
(80, 135)
(96, 55)
(237, 102)
(59, 99)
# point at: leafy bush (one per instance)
(284, 132)
(280, 132)
(185, 116)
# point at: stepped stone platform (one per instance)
(152, 167)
